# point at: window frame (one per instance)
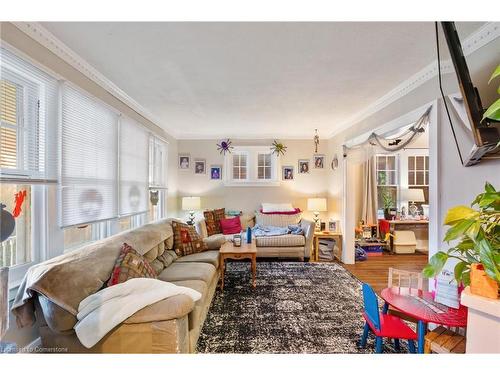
(397, 177)
(252, 167)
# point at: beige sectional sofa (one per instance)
(172, 325)
(286, 246)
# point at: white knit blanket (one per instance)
(99, 313)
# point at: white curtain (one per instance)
(369, 208)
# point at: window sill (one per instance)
(251, 183)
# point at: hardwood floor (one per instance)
(375, 270)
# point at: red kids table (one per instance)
(421, 306)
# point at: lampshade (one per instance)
(413, 195)
(191, 203)
(316, 204)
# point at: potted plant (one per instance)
(475, 231)
(388, 204)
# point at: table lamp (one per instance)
(191, 204)
(412, 196)
(316, 205)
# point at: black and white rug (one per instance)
(295, 308)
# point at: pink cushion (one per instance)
(296, 211)
(231, 226)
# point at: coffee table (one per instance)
(245, 251)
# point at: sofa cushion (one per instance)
(287, 240)
(231, 225)
(179, 271)
(282, 221)
(157, 265)
(215, 242)
(186, 240)
(211, 257)
(212, 220)
(169, 308)
(130, 264)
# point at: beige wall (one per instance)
(215, 194)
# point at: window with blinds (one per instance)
(89, 159)
(28, 122)
(134, 150)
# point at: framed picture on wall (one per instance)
(288, 173)
(200, 166)
(215, 172)
(184, 161)
(303, 166)
(319, 161)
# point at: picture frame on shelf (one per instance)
(333, 225)
(216, 172)
(184, 161)
(200, 166)
(319, 161)
(288, 174)
(303, 166)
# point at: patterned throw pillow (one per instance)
(130, 264)
(212, 220)
(219, 214)
(186, 240)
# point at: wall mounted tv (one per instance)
(476, 139)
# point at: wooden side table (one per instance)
(330, 235)
(245, 251)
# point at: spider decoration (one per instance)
(224, 146)
(278, 148)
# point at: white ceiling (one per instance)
(252, 80)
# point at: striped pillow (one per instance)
(282, 221)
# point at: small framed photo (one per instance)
(288, 173)
(184, 161)
(200, 166)
(303, 166)
(319, 161)
(333, 225)
(215, 172)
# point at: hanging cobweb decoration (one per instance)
(225, 146)
(278, 148)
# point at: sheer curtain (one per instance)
(369, 208)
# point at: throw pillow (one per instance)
(130, 264)
(212, 220)
(186, 240)
(231, 226)
(219, 214)
(295, 211)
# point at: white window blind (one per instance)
(28, 121)
(134, 152)
(89, 165)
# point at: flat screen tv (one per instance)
(476, 139)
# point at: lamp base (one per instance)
(191, 218)
(317, 222)
(412, 209)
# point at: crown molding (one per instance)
(482, 36)
(43, 36)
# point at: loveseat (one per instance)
(171, 325)
(284, 246)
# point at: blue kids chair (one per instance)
(383, 325)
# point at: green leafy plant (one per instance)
(493, 111)
(387, 199)
(477, 232)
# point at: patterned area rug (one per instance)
(295, 308)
